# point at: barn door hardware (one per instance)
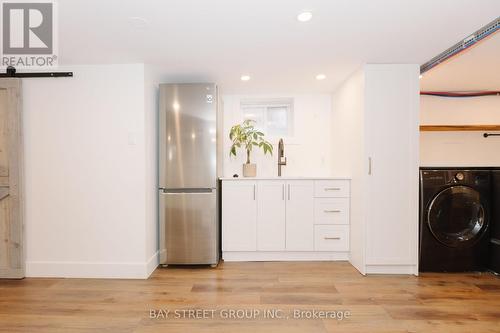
(491, 134)
(11, 72)
(464, 44)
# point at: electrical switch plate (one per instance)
(132, 138)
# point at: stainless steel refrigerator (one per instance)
(188, 170)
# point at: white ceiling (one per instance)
(477, 68)
(219, 40)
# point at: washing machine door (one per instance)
(456, 216)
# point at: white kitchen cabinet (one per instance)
(271, 210)
(239, 211)
(285, 219)
(391, 185)
(331, 211)
(300, 215)
(376, 118)
(331, 237)
(336, 188)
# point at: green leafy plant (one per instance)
(245, 135)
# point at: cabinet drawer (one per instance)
(331, 238)
(331, 189)
(331, 211)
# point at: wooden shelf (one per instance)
(456, 128)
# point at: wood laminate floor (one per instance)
(429, 303)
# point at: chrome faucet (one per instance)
(281, 156)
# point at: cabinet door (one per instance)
(271, 215)
(299, 215)
(239, 215)
(391, 211)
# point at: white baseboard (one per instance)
(152, 264)
(392, 269)
(283, 256)
(101, 270)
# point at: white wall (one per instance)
(308, 153)
(348, 134)
(87, 170)
(151, 106)
(459, 148)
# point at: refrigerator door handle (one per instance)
(186, 190)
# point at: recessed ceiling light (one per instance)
(304, 16)
(320, 77)
(245, 77)
(420, 76)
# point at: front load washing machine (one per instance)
(454, 220)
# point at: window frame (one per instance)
(266, 103)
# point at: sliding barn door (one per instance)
(11, 203)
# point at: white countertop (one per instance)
(285, 178)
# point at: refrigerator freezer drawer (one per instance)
(188, 228)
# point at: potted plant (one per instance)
(245, 135)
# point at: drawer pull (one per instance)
(332, 188)
(332, 238)
(332, 211)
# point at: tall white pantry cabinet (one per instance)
(375, 124)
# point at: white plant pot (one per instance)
(249, 170)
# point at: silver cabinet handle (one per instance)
(332, 211)
(332, 238)
(369, 165)
(283, 191)
(332, 189)
(289, 192)
(254, 190)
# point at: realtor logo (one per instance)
(28, 34)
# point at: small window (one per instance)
(273, 116)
